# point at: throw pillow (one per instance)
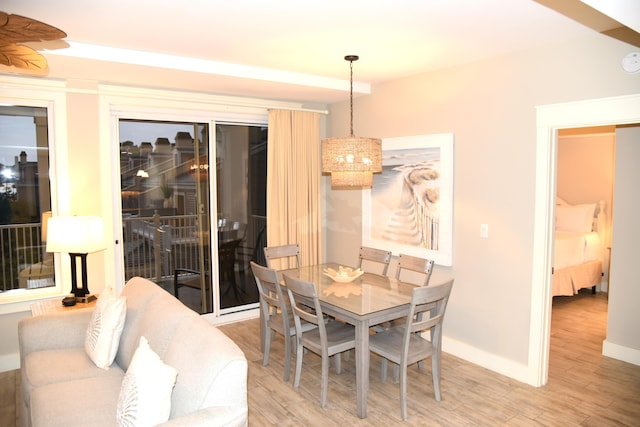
(103, 334)
(145, 395)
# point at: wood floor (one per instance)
(584, 389)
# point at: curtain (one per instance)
(293, 183)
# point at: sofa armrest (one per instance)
(52, 331)
(227, 416)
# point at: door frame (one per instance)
(125, 103)
(549, 119)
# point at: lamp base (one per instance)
(86, 298)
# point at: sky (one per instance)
(17, 133)
(139, 132)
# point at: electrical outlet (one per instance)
(484, 230)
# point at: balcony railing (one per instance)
(24, 261)
(153, 247)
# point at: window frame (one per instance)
(50, 95)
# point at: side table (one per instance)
(55, 306)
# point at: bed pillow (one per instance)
(145, 394)
(103, 333)
(576, 218)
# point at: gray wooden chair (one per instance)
(275, 314)
(404, 345)
(290, 253)
(372, 257)
(328, 339)
(411, 268)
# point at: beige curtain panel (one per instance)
(293, 183)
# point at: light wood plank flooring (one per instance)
(584, 389)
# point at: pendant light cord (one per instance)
(351, 58)
(351, 93)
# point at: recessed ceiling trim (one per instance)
(172, 62)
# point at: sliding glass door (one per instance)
(190, 223)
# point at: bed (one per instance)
(578, 249)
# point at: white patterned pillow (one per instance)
(145, 395)
(103, 334)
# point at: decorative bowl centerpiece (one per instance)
(343, 274)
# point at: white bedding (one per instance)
(577, 254)
(575, 248)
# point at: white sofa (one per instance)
(63, 387)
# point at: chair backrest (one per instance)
(231, 230)
(289, 252)
(269, 288)
(372, 255)
(305, 304)
(414, 264)
(432, 299)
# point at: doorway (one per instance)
(585, 171)
(550, 118)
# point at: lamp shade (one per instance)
(351, 161)
(75, 234)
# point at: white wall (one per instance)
(585, 167)
(623, 339)
(490, 108)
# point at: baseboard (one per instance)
(9, 362)
(616, 351)
(500, 365)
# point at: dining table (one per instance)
(366, 301)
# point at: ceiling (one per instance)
(288, 50)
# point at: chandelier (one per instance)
(351, 160)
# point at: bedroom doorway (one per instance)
(550, 118)
(585, 169)
(579, 307)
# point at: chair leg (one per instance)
(403, 390)
(287, 357)
(267, 346)
(325, 379)
(396, 369)
(383, 370)
(175, 284)
(435, 373)
(299, 352)
(338, 361)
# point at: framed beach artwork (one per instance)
(409, 209)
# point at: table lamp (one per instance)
(77, 236)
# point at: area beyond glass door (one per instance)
(168, 208)
(241, 177)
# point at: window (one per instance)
(25, 195)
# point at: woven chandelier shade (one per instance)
(351, 161)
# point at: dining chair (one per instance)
(370, 259)
(411, 268)
(275, 314)
(405, 345)
(190, 278)
(374, 257)
(286, 253)
(328, 339)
